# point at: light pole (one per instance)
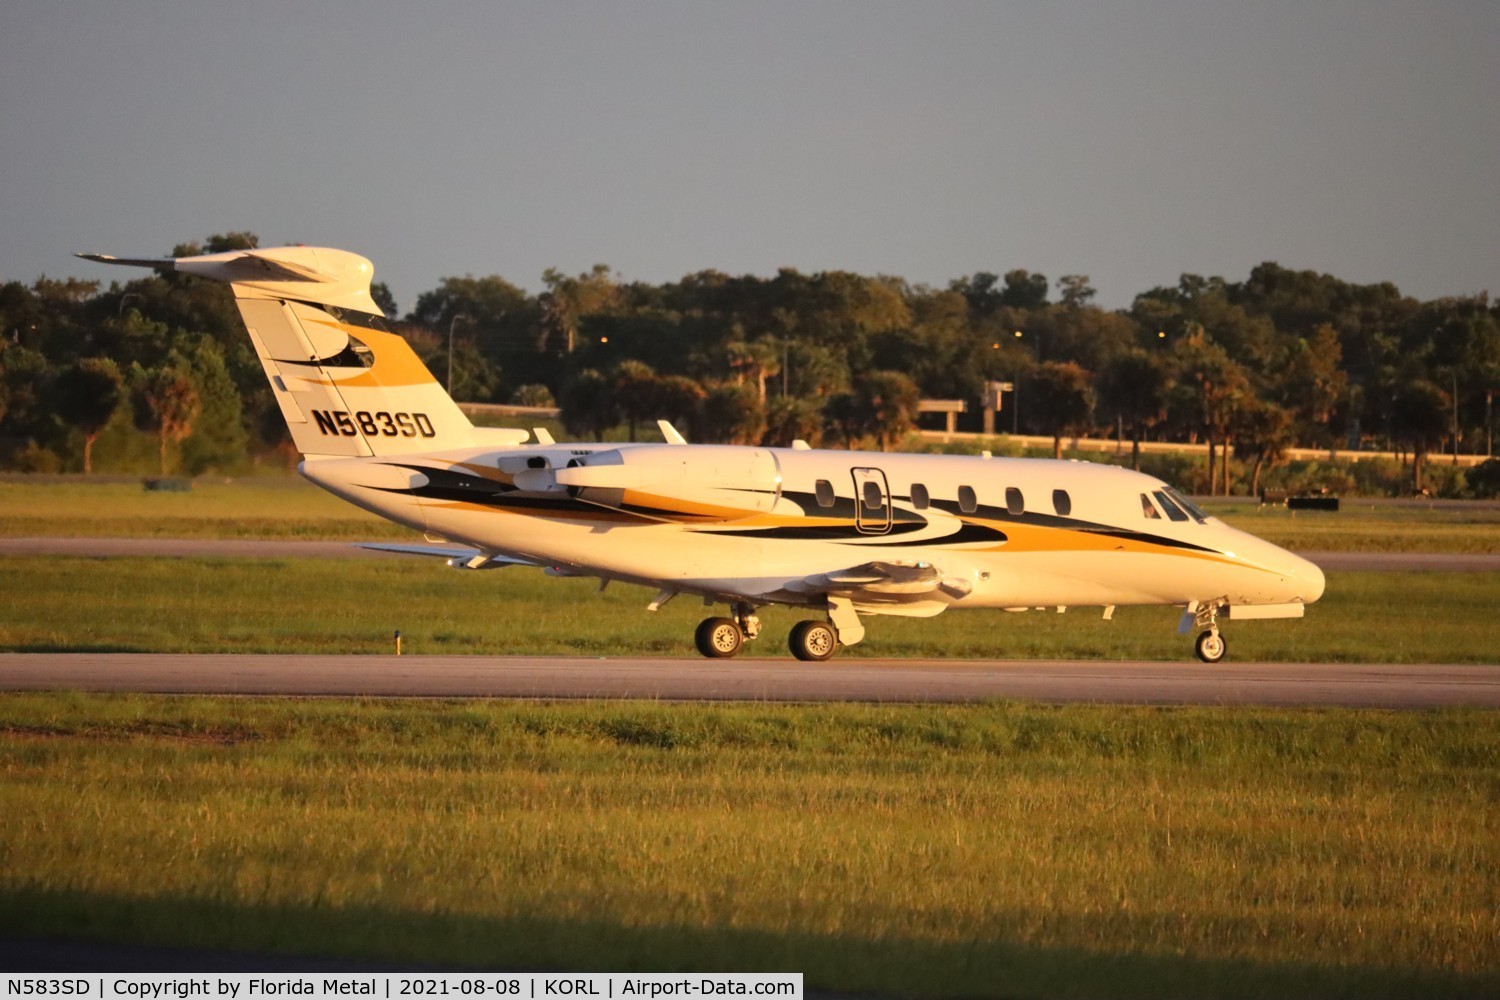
(126, 298)
(455, 319)
(1036, 340)
(1015, 399)
(1455, 416)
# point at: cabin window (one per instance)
(967, 501)
(824, 491)
(919, 498)
(873, 496)
(1174, 512)
(1148, 510)
(1062, 503)
(1015, 503)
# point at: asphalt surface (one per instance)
(762, 680)
(183, 548)
(748, 679)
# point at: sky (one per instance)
(1130, 141)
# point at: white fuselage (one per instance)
(763, 525)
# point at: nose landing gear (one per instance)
(1210, 646)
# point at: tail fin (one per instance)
(345, 383)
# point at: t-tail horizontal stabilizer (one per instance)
(347, 385)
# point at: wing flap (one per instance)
(888, 586)
(458, 556)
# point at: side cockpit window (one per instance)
(1149, 509)
(824, 492)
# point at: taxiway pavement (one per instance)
(769, 680)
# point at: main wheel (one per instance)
(813, 640)
(1210, 646)
(718, 638)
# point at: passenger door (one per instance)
(872, 502)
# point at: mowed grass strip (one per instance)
(354, 606)
(272, 507)
(1361, 526)
(1000, 850)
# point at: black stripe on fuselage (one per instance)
(466, 487)
(463, 487)
(1055, 521)
(819, 533)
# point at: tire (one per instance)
(718, 638)
(813, 641)
(1211, 647)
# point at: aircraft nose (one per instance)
(1310, 575)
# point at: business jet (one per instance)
(843, 534)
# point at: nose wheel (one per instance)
(1211, 646)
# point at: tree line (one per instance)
(158, 369)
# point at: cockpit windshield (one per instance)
(1193, 510)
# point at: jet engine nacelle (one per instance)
(677, 483)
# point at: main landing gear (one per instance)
(721, 638)
(813, 641)
(718, 638)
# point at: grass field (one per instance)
(1363, 526)
(289, 507)
(343, 606)
(982, 851)
(998, 850)
(266, 507)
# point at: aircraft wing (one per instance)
(458, 556)
(913, 588)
